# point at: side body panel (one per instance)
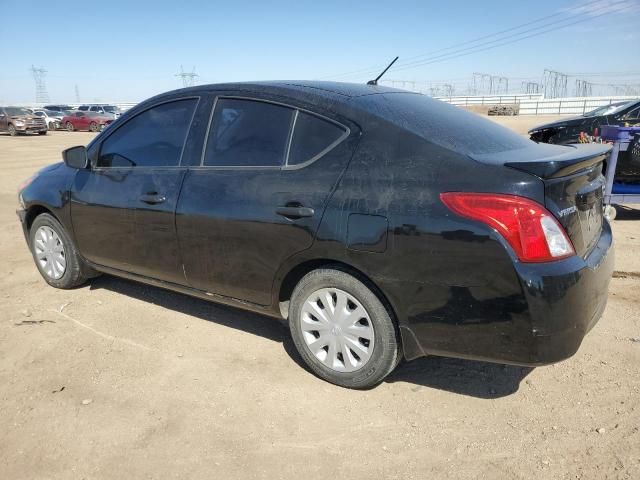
(233, 240)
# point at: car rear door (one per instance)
(244, 210)
(123, 209)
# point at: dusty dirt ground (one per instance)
(119, 380)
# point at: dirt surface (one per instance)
(116, 380)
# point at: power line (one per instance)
(430, 58)
(461, 53)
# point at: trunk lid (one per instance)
(573, 185)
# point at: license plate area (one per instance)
(591, 223)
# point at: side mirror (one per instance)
(76, 157)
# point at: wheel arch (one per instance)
(296, 273)
(34, 211)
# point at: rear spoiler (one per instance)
(550, 161)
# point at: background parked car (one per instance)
(16, 120)
(104, 109)
(91, 121)
(59, 108)
(53, 119)
(568, 130)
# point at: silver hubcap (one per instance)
(337, 329)
(50, 252)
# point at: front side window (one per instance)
(83, 108)
(633, 114)
(154, 138)
(311, 137)
(247, 133)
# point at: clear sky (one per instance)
(116, 50)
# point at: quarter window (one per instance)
(312, 136)
(154, 138)
(248, 133)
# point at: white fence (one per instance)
(490, 99)
(567, 106)
(537, 104)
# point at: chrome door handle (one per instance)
(295, 212)
(153, 198)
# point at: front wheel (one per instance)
(55, 254)
(43, 132)
(342, 330)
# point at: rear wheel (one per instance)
(94, 127)
(69, 127)
(12, 130)
(342, 330)
(44, 132)
(55, 254)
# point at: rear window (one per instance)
(312, 136)
(443, 124)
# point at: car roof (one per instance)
(298, 89)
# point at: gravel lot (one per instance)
(119, 380)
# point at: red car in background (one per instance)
(93, 122)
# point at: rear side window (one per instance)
(83, 108)
(247, 133)
(312, 136)
(153, 138)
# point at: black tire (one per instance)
(69, 126)
(12, 130)
(76, 272)
(386, 350)
(93, 126)
(44, 132)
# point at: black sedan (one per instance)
(381, 224)
(568, 130)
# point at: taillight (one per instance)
(531, 230)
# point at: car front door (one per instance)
(123, 208)
(246, 209)
(80, 121)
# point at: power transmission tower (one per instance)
(77, 94)
(188, 78)
(448, 89)
(555, 84)
(484, 83)
(531, 88)
(583, 88)
(42, 96)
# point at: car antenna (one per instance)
(375, 82)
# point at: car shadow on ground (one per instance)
(464, 377)
(627, 213)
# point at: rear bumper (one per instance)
(542, 321)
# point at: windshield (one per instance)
(13, 111)
(609, 109)
(39, 113)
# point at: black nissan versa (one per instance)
(382, 224)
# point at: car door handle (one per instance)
(152, 198)
(295, 212)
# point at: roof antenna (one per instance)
(375, 82)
